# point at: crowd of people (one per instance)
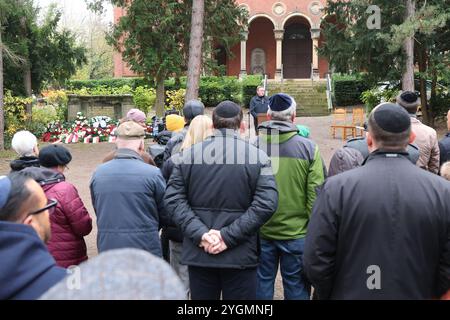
(227, 213)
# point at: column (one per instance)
(279, 34)
(243, 71)
(315, 35)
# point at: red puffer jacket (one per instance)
(70, 221)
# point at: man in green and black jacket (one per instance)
(298, 171)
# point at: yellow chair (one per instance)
(340, 123)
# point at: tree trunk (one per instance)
(433, 96)
(160, 96)
(408, 76)
(2, 115)
(423, 85)
(27, 85)
(195, 49)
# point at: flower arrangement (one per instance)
(82, 129)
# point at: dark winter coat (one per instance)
(259, 105)
(24, 162)
(127, 195)
(27, 270)
(208, 190)
(444, 147)
(389, 220)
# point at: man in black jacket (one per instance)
(381, 231)
(259, 104)
(221, 192)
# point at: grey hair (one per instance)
(24, 143)
(445, 170)
(285, 115)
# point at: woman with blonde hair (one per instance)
(200, 128)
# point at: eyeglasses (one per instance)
(51, 204)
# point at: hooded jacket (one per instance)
(27, 270)
(24, 162)
(298, 171)
(70, 222)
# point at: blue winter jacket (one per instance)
(27, 270)
(127, 195)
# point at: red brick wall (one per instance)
(121, 69)
(260, 36)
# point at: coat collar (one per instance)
(386, 155)
(127, 154)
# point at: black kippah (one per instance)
(392, 118)
(409, 96)
(227, 109)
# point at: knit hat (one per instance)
(174, 123)
(124, 274)
(5, 189)
(136, 115)
(408, 100)
(54, 155)
(192, 109)
(227, 109)
(130, 130)
(392, 118)
(280, 102)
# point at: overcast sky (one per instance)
(74, 11)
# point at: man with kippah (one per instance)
(298, 171)
(127, 195)
(381, 231)
(426, 137)
(220, 193)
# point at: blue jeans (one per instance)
(289, 255)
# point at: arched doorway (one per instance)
(297, 49)
(261, 47)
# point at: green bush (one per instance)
(110, 83)
(374, 97)
(348, 89)
(175, 99)
(440, 104)
(144, 98)
(212, 89)
(42, 116)
(14, 112)
(58, 99)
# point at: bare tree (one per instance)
(408, 76)
(195, 49)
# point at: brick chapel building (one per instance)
(281, 41)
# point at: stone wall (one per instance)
(115, 107)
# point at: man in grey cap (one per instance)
(127, 195)
(381, 231)
(426, 137)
